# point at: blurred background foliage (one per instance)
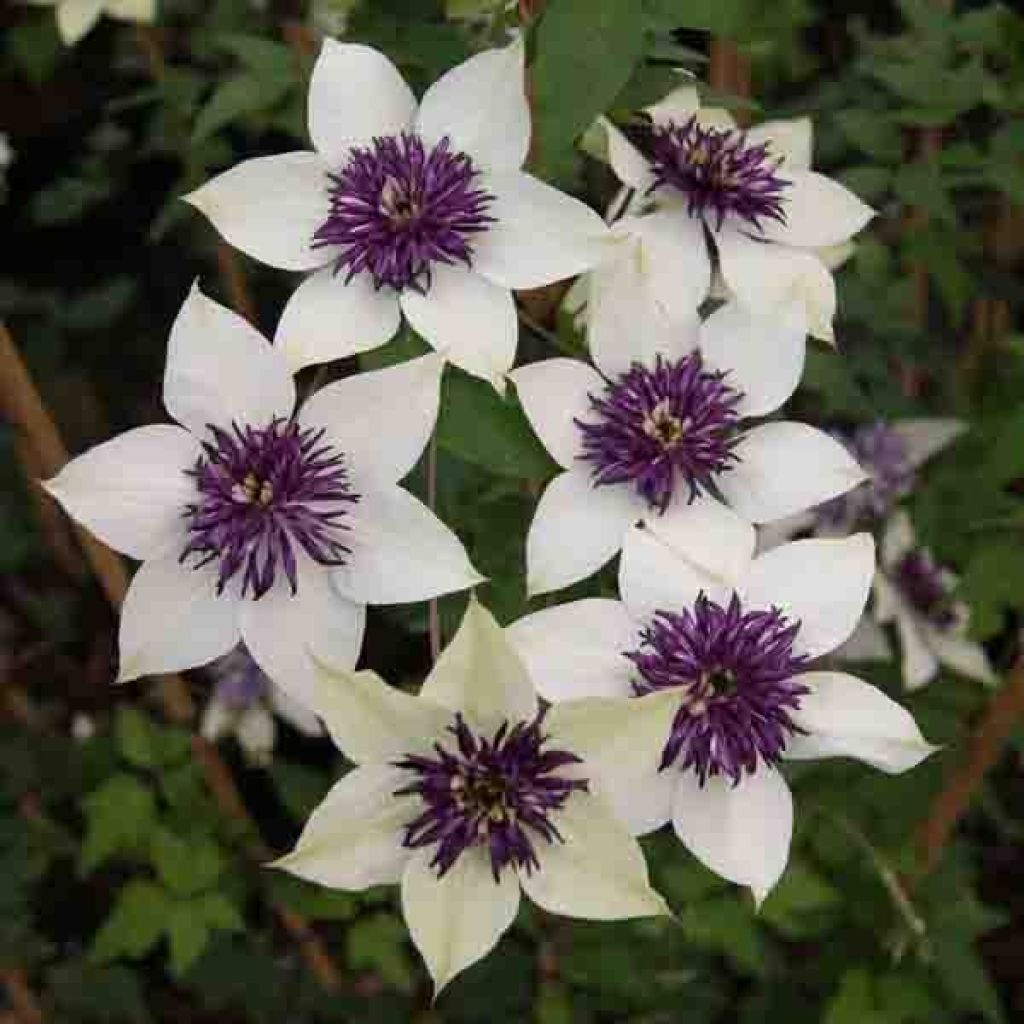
(130, 880)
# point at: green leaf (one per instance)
(185, 866)
(237, 98)
(726, 926)
(119, 816)
(298, 787)
(145, 744)
(67, 200)
(801, 904)
(312, 901)
(89, 994)
(378, 944)
(872, 133)
(135, 924)
(191, 924)
(722, 17)
(34, 45)
(920, 184)
(100, 307)
(572, 83)
(854, 1002)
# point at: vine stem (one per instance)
(22, 1002)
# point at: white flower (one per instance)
(444, 799)
(735, 656)
(75, 18)
(776, 226)
(257, 521)
(404, 210)
(657, 426)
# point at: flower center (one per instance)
(654, 427)
(737, 677)
(718, 172)
(927, 588)
(398, 206)
(497, 793)
(263, 492)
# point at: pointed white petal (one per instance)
(132, 10)
(221, 370)
(919, 662)
(554, 394)
(576, 529)
(270, 207)
(469, 320)
(401, 552)
(898, 538)
(867, 642)
(327, 318)
(353, 840)
(962, 655)
(675, 108)
(382, 419)
(763, 355)
(923, 438)
(823, 583)
(172, 619)
(845, 717)
(355, 93)
(131, 491)
(458, 919)
(481, 106)
(670, 559)
(480, 674)
(621, 741)
(740, 832)
(76, 17)
(576, 649)
(597, 873)
(631, 167)
(791, 139)
(297, 715)
(784, 468)
(819, 212)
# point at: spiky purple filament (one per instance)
(263, 493)
(718, 171)
(653, 427)
(738, 680)
(496, 793)
(926, 587)
(398, 206)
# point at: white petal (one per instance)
(631, 167)
(327, 318)
(541, 235)
(791, 139)
(823, 583)
(132, 10)
(919, 663)
(867, 642)
(469, 320)
(401, 552)
(382, 419)
(845, 717)
(297, 715)
(480, 674)
(355, 93)
(785, 468)
(763, 355)
(131, 491)
(898, 538)
(576, 649)
(555, 393)
(282, 630)
(740, 832)
(675, 108)
(76, 17)
(256, 732)
(962, 655)
(353, 840)
(819, 212)
(218, 720)
(621, 741)
(270, 207)
(576, 529)
(670, 559)
(221, 370)
(481, 106)
(172, 619)
(765, 276)
(923, 438)
(597, 873)
(456, 920)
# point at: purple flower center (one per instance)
(926, 587)
(397, 207)
(738, 680)
(263, 492)
(718, 172)
(496, 793)
(654, 427)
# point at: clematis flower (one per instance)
(743, 202)
(76, 18)
(659, 425)
(258, 521)
(738, 658)
(422, 211)
(245, 704)
(469, 793)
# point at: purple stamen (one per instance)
(397, 207)
(496, 793)
(654, 426)
(262, 491)
(738, 681)
(927, 588)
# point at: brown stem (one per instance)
(19, 995)
(729, 72)
(233, 279)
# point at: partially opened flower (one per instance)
(76, 18)
(421, 211)
(659, 424)
(469, 793)
(260, 521)
(737, 654)
(743, 202)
